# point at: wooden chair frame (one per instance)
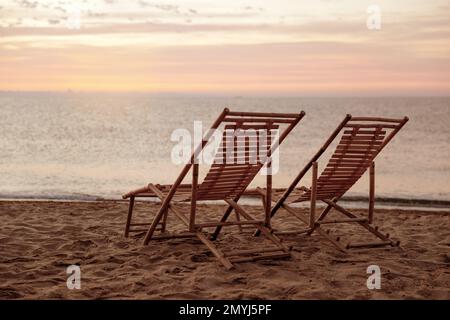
(314, 223)
(166, 194)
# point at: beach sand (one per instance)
(39, 239)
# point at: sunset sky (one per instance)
(251, 47)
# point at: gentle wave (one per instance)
(354, 201)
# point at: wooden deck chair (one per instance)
(226, 180)
(361, 141)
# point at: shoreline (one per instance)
(355, 202)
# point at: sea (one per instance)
(89, 146)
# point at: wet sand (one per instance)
(39, 239)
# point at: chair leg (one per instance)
(154, 224)
(224, 219)
(130, 214)
(216, 251)
(238, 218)
(325, 234)
(371, 192)
(263, 229)
(268, 197)
(264, 202)
(263, 195)
(323, 215)
(164, 221)
(366, 225)
(312, 216)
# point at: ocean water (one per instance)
(86, 146)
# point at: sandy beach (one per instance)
(39, 239)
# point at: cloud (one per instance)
(53, 21)
(160, 46)
(168, 7)
(250, 8)
(163, 7)
(343, 31)
(143, 3)
(94, 14)
(60, 8)
(27, 4)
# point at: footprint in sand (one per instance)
(115, 260)
(174, 270)
(83, 244)
(239, 280)
(199, 258)
(9, 293)
(121, 245)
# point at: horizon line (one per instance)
(229, 95)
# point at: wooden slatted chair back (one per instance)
(361, 141)
(248, 141)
